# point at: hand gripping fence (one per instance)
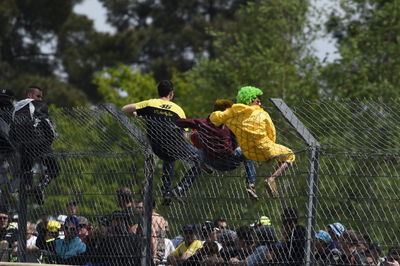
(138, 185)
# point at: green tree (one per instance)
(25, 26)
(265, 46)
(84, 52)
(367, 33)
(55, 91)
(121, 85)
(173, 32)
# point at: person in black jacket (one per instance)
(293, 238)
(6, 147)
(119, 247)
(6, 109)
(33, 133)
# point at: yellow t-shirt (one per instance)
(182, 248)
(160, 108)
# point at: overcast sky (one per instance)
(323, 46)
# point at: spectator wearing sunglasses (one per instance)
(69, 248)
(84, 229)
(8, 236)
(221, 223)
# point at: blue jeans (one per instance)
(193, 156)
(232, 163)
(226, 165)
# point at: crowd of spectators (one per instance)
(117, 239)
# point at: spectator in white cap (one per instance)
(209, 233)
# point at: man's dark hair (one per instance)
(219, 220)
(265, 235)
(350, 237)
(375, 246)
(245, 233)
(394, 253)
(31, 88)
(189, 229)
(290, 214)
(71, 203)
(125, 194)
(210, 248)
(164, 88)
(4, 209)
(222, 104)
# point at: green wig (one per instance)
(247, 94)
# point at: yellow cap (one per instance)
(264, 220)
(53, 226)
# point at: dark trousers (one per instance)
(28, 157)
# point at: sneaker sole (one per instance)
(207, 169)
(178, 198)
(252, 194)
(166, 202)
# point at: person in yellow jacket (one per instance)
(255, 132)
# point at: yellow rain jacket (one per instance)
(254, 131)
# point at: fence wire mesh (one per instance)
(101, 170)
(358, 168)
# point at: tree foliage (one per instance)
(265, 47)
(367, 35)
(174, 32)
(122, 85)
(25, 27)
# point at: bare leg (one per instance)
(280, 169)
(270, 182)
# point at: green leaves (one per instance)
(264, 47)
(368, 45)
(122, 85)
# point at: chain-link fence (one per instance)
(131, 208)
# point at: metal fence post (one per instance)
(312, 203)
(309, 139)
(148, 210)
(22, 214)
(144, 143)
